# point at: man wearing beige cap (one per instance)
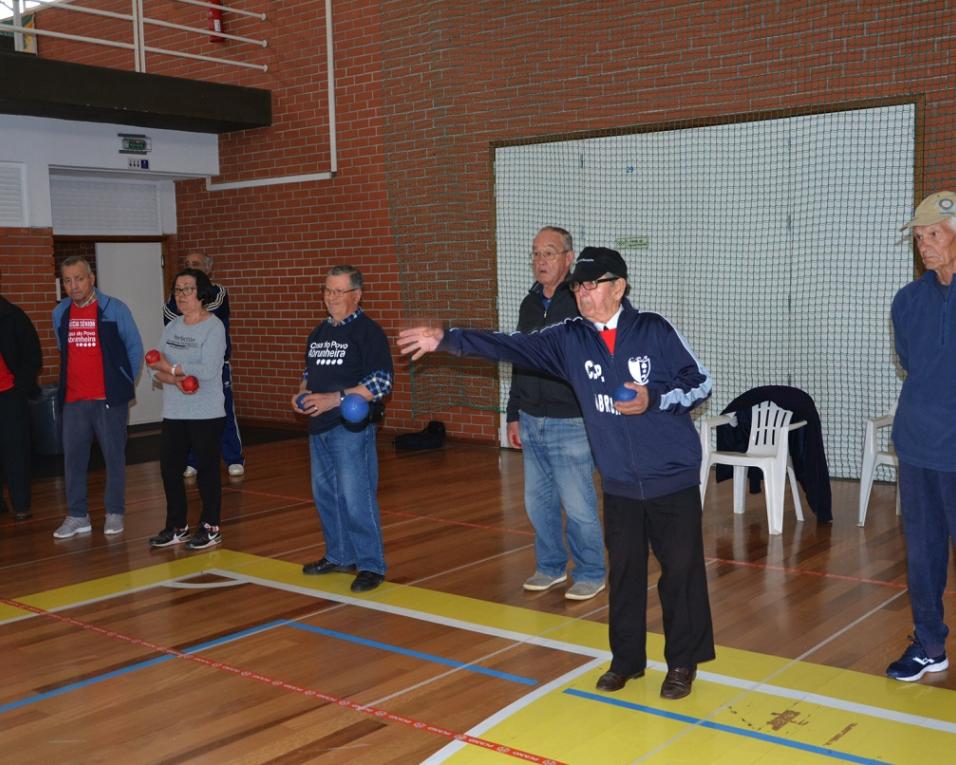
(924, 431)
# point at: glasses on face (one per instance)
(184, 290)
(549, 256)
(575, 286)
(331, 292)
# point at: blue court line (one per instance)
(415, 654)
(135, 667)
(726, 728)
(252, 631)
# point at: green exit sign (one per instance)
(632, 242)
(134, 143)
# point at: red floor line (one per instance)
(823, 574)
(276, 683)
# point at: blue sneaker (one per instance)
(914, 663)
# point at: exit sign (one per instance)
(134, 143)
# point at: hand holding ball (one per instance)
(152, 357)
(354, 408)
(300, 401)
(190, 384)
(623, 393)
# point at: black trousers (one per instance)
(203, 438)
(671, 525)
(15, 448)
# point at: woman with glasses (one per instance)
(193, 346)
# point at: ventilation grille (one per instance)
(103, 207)
(13, 203)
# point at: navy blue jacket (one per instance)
(119, 339)
(639, 456)
(532, 392)
(924, 321)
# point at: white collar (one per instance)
(611, 323)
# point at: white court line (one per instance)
(733, 682)
(813, 698)
(505, 712)
(90, 601)
(177, 585)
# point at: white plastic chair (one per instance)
(872, 459)
(768, 450)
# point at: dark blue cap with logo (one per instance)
(595, 262)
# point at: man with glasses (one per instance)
(231, 440)
(646, 448)
(346, 354)
(544, 420)
(101, 353)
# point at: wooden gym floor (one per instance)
(110, 652)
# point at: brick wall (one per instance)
(27, 279)
(424, 89)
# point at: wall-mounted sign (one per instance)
(632, 242)
(134, 143)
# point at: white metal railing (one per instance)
(139, 21)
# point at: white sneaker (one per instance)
(237, 469)
(73, 526)
(540, 582)
(190, 472)
(584, 590)
(114, 524)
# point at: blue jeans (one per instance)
(344, 487)
(558, 471)
(81, 421)
(928, 504)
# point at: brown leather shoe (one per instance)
(678, 682)
(612, 681)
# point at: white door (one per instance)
(133, 272)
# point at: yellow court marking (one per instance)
(107, 587)
(728, 718)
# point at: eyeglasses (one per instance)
(184, 290)
(329, 292)
(550, 256)
(575, 286)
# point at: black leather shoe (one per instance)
(678, 682)
(325, 566)
(612, 681)
(367, 580)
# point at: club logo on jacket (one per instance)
(593, 370)
(640, 369)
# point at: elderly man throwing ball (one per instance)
(646, 449)
(347, 355)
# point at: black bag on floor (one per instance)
(431, 437)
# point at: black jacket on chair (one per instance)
(806, 444)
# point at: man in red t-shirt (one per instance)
(101, 354)
(20, 362)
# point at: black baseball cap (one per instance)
(594, 262)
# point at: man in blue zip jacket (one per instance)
(646, 449)
(924, 431)
(100, 355)
(544, 420)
